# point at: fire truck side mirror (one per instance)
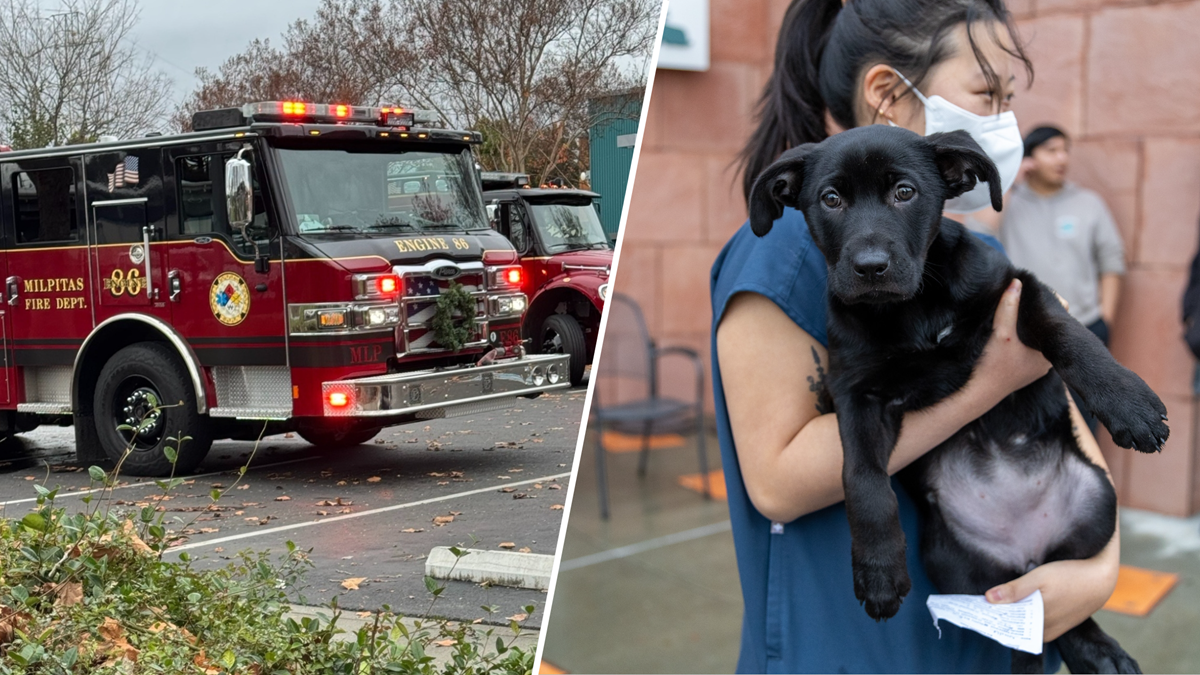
(239, 197)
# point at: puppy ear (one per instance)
(777, 187)
(963, 163)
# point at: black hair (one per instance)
(824, 48)
(1040, 135)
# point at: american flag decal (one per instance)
(126, 173)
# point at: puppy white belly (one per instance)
(1013, 512)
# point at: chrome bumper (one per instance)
(437, 393)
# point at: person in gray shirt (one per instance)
(1064, 234)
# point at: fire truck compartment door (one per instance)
(129, 270)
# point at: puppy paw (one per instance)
(881, 587)
(1104, 659)
(1134, 415)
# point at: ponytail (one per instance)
(791, 111)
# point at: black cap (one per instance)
(1041, 135)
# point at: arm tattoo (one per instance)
(817, 386)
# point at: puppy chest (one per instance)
(1010, 507)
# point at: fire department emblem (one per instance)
(229, 298)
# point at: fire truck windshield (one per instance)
(568, 227)
(367, 192)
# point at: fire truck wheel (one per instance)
(335, 438)
(144, 386)
(561, 334)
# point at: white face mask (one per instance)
(998, 135)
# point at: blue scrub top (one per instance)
(800, 611)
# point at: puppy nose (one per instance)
(872, 264)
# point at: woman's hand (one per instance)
(1072, 590)
(1007, 364)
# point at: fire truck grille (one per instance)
(416, 334)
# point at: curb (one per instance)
(502, 568)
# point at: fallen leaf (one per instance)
(283, 498)
(410, 530)
(520, 495)
(556, 507)
(508, 489)
(352, 583)
(30, 477)
(362, 615)
(11, 621)
(525, 549)
(507, 544)
(322, 513)
(374, 479)
(555, 487)
(443, 482)
(517, 617)
(442, 520)
(239, 513)
(219, 549)
(209, 530)
(445, 643)
(244, 486)
(515, 470)
(68, 593)
(341, 482)
(456, 513)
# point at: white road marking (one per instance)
(150, 483)
(360, 514)
(643, 546)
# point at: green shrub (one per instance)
(90, 592)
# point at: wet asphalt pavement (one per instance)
(367, 512)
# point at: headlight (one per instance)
(342, 317)
(603, 292)
(508, 304)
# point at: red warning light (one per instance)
(341, 110)
(514, 276)
(388, 284)
(339, 399)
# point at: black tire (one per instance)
(338, 438)
(135, 381)
(561, 334)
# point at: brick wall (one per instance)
(1123, 78)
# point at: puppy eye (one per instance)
(905, 193)
(831, 199)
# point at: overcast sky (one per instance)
(183, 36)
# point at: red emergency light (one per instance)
(340, 110)
(388, 285)
(514, 276)
(339, 399)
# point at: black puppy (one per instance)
(911, 301)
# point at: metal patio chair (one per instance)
(631, 357)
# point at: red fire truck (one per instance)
(325, 269)
(566, 256)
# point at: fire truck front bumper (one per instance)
(445, 393)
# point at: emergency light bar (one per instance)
(327, 113)
(313, 113)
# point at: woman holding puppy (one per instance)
(928, 66)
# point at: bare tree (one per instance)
(350, 52)
(522, 73)
(526, 71)
(73, 75)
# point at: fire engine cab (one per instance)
(286, 266)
